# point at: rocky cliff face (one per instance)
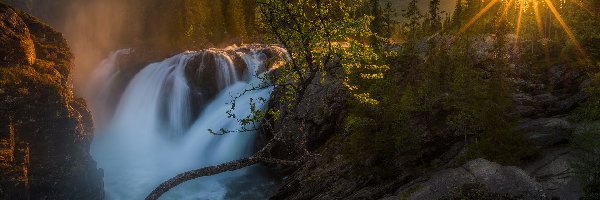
(45, 131)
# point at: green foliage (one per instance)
(435, 18)
(457, 16)
(193, 24)
(369, 148)
(590, 110)
(413, 26)
(586, 145)
(319, 36)
(427, 104)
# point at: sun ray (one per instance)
(505, 12)
(538, 19)
(477, 16)
(540, 27)
(583, 6)
(519, 20)
(566, 28)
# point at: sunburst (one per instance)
(521, 7)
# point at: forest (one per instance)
(361, 99)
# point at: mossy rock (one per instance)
(15, 40)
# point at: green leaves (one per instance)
(319, 36)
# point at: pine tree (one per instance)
(235, 19)
(457, 16)
(434, 15)
(414, 16)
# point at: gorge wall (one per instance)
(45, 131)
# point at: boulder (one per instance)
(546, 131)
(554, 173)
(505, 181)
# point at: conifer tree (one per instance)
(458, 14)
(434, 15)
(413, 15)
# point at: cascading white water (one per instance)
(153, 135)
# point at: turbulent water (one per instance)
(160, 126)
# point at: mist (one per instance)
(92, 28)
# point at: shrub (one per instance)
(586, 145)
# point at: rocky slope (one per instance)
(543, 103)
(45, 131)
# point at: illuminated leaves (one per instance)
(318, 36)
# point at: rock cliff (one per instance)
(45, 131)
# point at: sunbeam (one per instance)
(566, 28)
(583, 6)
(519, 21)
(538, 19)
(477, 16)
(505, 12)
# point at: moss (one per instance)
(50, 45)
(590, 110)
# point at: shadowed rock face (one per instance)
(45, 132)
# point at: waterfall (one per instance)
(160, 126)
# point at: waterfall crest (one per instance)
(159, 127)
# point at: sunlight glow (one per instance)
(519, 20)
(582, 5)
(538, 19)
(477, 16)
(565, 27)
(505, 12)
(522, 7)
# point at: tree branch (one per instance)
(206, 171)
(228, 166)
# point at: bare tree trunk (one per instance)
(206, 171)
(259, 157)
